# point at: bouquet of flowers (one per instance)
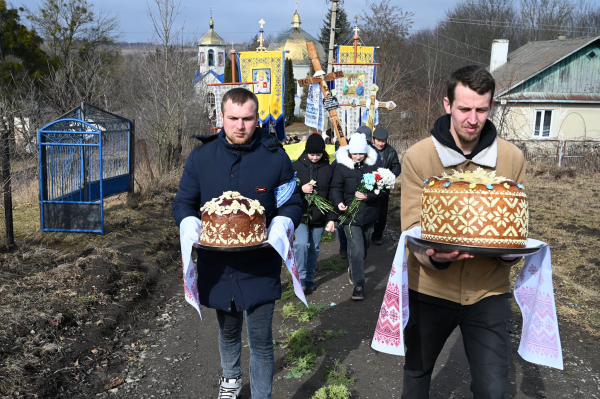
(315, 199)
(379, 181)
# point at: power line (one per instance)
(445, 52)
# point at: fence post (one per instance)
(558, 153)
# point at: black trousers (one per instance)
(382, 220)
(485, 331)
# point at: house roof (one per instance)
(533, 58)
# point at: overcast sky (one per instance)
(237, 20)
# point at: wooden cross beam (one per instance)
(389, 105)
(329, 101)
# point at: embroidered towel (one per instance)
(534, 293)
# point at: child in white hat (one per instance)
(355, 160)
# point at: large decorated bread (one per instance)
(233, 220)
(476, 209)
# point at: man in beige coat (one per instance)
(447, 290)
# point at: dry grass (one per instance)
(564, 213)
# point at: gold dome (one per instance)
(296, 18)
(212, 38)
(294, 41)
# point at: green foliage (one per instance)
(342, 30)
(20, 48)
(288, 294)
(302, 353)
(299, 311)
(327, 237)
(330, 264)
(333, 392)
(330, 334)
(227, 72)
(337, 374)
(290, 89)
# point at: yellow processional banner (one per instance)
(266, 70)
(364, 54)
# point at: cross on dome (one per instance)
(261, 22)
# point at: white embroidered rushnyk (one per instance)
(280, 235)
(534, 293)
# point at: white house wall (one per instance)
(569, 121)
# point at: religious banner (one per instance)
(364, 54)
(315, 112)
(218, 90)
(266, 70)
(351, 89)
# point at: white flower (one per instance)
(313, 182)
(235, 195)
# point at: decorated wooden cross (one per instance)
(261, 39)
(330, 103)
(372, 104)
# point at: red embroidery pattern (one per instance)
(389, 328)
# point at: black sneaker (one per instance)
(343, 252)
(358, 294)
(309, 287)
(376, 241)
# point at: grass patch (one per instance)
(297, 310)
(337, 374)
(330, 334)
(330, 264)
(327, 237)
(333, 392)
(302, 353)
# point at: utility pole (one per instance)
(332, 35)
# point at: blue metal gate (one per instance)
(84, 156)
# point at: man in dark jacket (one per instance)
(389, 156)
(240, 158)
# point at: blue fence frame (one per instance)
(84, 156)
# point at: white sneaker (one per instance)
(230, 388)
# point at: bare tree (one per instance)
(166, 83)
(546, 19)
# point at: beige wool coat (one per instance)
(470, 280)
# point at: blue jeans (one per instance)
(259, 322)
(342, 235)
(306, 250)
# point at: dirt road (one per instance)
(181, 358)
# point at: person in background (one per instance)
(312, 165)
(389, 156)
(354, 160)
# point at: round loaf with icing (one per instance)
(475, 209)
(232, 220)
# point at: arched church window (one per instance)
(210, 100)
(211, 58)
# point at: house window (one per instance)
(543, 121)
(592, 55)
(211, 58)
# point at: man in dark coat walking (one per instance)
(240, 158)
(389, 156)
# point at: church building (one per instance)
(212, 54)
(294, 42)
